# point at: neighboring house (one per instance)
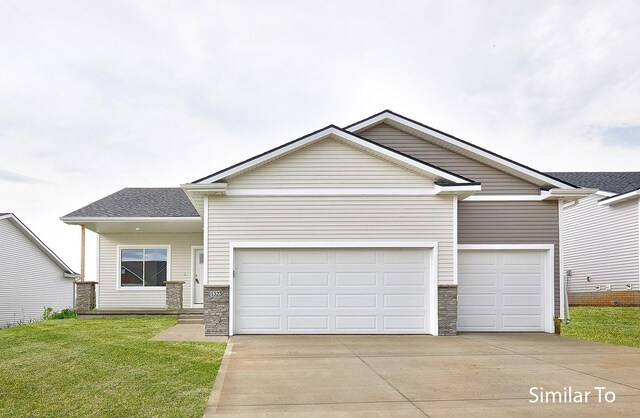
(601, 237)
(385, 226)
(32, 277)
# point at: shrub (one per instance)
(66, 313)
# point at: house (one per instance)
(601, 239)
(32, 277)
(386, 226)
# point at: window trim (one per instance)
(141, 288)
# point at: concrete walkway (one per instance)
(413, 376)
(187, 332)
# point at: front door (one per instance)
(198, 277)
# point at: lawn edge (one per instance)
(214, 398)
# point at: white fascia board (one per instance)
(205, 188)
(334, 131)
(566, 194)
(605, 194)
(498, 160)
(505, 198)
(492, 247)
(553, 194)
(457, 189)
(416, 191)
(620, 198)
(81, 220)
(38, 243)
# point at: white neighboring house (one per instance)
(601, 239)
(32, 277)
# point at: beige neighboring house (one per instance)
(601, 236)
(386, 226)
(32, 277)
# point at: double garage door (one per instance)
(332, 291)
(382, 291)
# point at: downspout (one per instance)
(567, 315)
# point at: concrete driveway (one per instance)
(413, 376)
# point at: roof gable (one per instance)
(329, 163)
(459, 146)
(493, 180)
(17, 223)
(335, 133)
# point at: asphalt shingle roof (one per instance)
(614, 182)
(140, 202)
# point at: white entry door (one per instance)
(198, 277)
(332, 291)
(501, 290)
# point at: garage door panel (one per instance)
(356, 291)
(410, 278)
(256, 257)
(404, 301)
(480, 279)
(308, 301)
(356, 279)
(522, 301)
(522, 321)
(404, 256)
(260, 301)
(404, 323)
(307, 257)
(522, 258)
(523, 279)
(356, 256)
(478, 321)
(258, 323)
(507, 295)
(357, 300)
(355, 323)
(262, 279)
(308, 279)
(471, 299)
(308, 323)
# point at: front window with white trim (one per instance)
(143, 267)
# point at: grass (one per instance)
(103, 367)
(615, 325)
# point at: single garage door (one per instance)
(332, 291)
(501, 290)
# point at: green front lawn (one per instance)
(103, 367)
(616, 325)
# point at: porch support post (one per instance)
(174, 294)
(82, 251)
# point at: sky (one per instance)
(97, 96)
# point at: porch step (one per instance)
(195, 316)
(190, 321)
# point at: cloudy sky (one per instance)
(96, 96)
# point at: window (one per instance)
(143, 267)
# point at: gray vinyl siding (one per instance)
(328, 218)
(328, 164)
(29, 279)
(110, 297)
(602, 242)
(493, 181)
(512, 223)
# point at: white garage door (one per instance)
(331, 291)
(501, 290)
